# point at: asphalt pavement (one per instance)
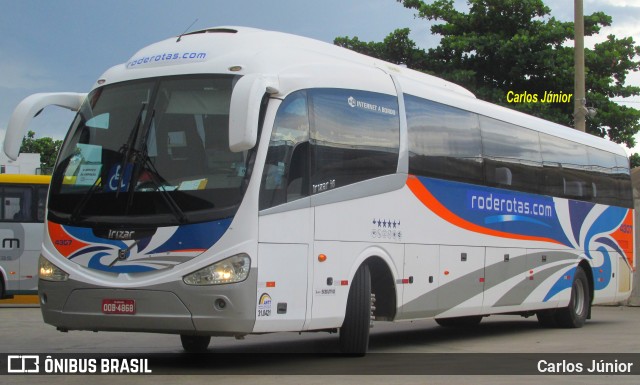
(405, 352)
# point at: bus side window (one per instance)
(511, 155)
(444, 141)
(566, 169)
(623, 180)
(603, 166)
(286, 177)
(354, 136)
(298, 181)
(16, 204)
(41, 200)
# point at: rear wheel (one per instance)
(195, 344)
(354, 333)
(469, 321)
(574, 315)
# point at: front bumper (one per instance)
(174, 307)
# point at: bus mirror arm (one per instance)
(29, 108)
(244, 110)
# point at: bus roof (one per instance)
(25, 179)
(313, 63)
(217, 50)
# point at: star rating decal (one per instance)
(386, 223)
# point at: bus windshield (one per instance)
(153, 150)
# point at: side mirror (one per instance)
(30, 107)
(244, 110)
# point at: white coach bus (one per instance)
(234, 181)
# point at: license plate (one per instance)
(119, 306)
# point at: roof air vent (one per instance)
(213, 30)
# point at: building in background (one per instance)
(25, 164)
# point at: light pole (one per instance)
(579, 100)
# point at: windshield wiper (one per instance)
(127, 149)
(142, 160)
(85, 198)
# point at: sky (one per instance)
(65, 45)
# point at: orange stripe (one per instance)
(22, 299)
(62, 241)
(625, 237)
(187, 251)
(425, 196)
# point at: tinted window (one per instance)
(566, 153)
(610, 178)
(23, 203)
(567, 170)
(354, 136)
(41, 200)
(17, 204)
(286, 176)
(444, 142)
(575, 171)
(605, 188)
(623, 178)
(512, 155)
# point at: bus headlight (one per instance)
(50, 272)
(231, 270)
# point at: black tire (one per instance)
(195, 344)
(468, 321)
(574, 315)
(1, 286)
(354, 333)
(547, 318)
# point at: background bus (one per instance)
(22, 215)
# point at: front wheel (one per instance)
(195, 344)
(354, 333)
(574, 315)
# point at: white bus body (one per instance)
(336, 187)
(21, 229)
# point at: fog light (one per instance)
(221, 304)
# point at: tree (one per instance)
(396, 48)
(516, 45)
(46, 147)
